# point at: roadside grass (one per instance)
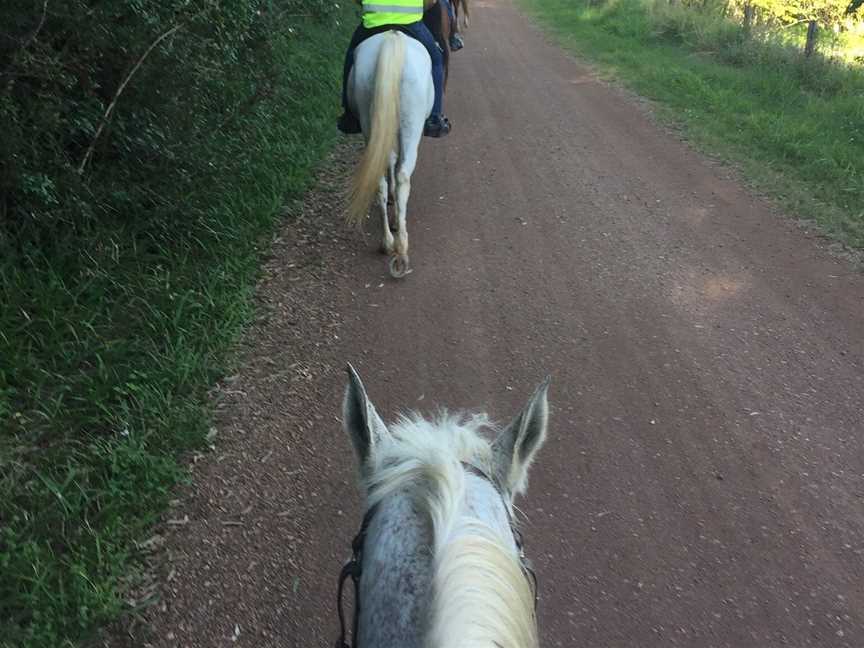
(794, 126)
(111, 336)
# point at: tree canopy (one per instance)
(826, 12)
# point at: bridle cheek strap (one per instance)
(350, 570)
(353, 569)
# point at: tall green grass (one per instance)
(795, 125)
(111, 335)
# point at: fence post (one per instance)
(810, 45)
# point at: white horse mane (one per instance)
(480, 596)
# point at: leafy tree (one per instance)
(825, 12)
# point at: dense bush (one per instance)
(146, 148)
(93, 118)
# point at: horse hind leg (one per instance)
(409, 141)
(399, 263)
(387, 241)
(391, 191)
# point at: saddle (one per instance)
(369, 33)
(432, 20)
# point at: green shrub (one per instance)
(128, 253)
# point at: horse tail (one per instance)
(383, 128)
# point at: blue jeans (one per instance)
(416, 30)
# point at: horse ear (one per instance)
(515, 447)
(359, 418)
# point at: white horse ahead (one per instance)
(390, 89)
(438, 562)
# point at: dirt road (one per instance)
(703, 484)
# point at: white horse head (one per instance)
(441, 562)
(390, 89)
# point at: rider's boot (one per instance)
(348, 123)
(436, 126)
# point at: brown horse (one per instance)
(461, 6)
(438, 22)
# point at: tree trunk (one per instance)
(749, 14)
(810, 45)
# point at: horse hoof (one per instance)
(398, 266)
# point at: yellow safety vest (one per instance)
(378, 13)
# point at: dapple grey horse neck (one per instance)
(397, 570)
(440, 563)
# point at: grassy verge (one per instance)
(110, 336)
(795, 126)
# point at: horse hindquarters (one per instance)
(382, 118)
(393, 91)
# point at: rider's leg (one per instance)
(348, 122)
(437, 125)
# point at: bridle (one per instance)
(353, 568)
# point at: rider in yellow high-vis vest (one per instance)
(405, 16)
(381, 13)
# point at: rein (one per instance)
(353, 568)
